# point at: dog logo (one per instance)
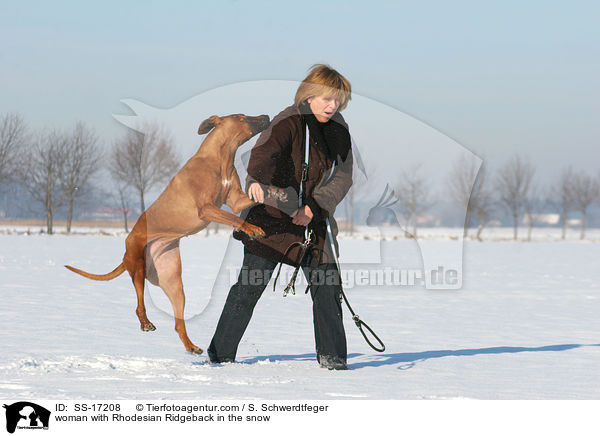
(392, 140)
(382, 214)
(26, 415)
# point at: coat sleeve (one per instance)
(267, 151)
(332, 190)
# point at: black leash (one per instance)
(308, 234)
(359, 323)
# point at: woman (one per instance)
(275, 174)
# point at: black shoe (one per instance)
(332, 363)
(212, 358)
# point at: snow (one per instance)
(524, 325)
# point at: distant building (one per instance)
(108, 213)
(545, 219)
(429, 220)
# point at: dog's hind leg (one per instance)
(138, 278)
(134, 261)
(167, 262)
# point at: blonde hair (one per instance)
(322, 80)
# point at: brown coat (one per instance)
(276, 162)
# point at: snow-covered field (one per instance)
(524, 326)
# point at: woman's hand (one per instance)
(302, 216)
(256, 193)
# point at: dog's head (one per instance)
(241, 126)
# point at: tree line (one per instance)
(486, 195)
(59, 168)
(513, 188)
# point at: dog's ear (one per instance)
(208, 124)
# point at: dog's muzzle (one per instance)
(262, 122)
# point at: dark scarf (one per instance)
(332, 137)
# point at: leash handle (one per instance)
(360, 324)
(363, 325)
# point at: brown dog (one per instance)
(190, 202)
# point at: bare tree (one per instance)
(360, 188)
(585, 191)
(513, 183)
(482, 201)
(533, 207)
(123, 197)
(460, 185)
(561, 197)
(43, 172)
(144, 161)
(81, 163)
(349, 208)
(467, 184)
(13, 138)
(413, 192)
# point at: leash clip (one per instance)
(290, 287)
(308, 235)
(303, 246)
(304, 171)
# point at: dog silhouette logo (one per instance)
(381, 214)
(26, 415)
(395, 140)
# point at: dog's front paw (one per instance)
(252, 230)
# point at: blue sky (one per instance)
(498, 77)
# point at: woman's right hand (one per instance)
(256, 193)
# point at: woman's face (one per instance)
(323, 107)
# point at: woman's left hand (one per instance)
(302, 216)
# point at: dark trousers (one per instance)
(330, 337)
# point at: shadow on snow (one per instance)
(409, 360)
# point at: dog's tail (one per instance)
(111, 275)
